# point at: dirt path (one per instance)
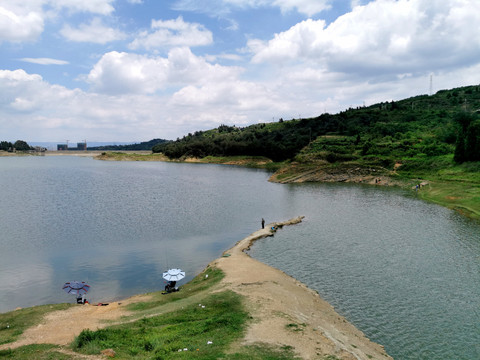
(285, 312)
(61, 327)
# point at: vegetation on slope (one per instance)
(427, 125)
(145, 145)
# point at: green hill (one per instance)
(418, 125)
(422, 139)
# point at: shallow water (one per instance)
(405, 272)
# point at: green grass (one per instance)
(14, 323)
(37, 352)
(451, 185)
(158, 328)
(188, 293)
(133, 156)
(221, 319)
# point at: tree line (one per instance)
(433, 125)
(18, 145)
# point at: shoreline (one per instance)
(284, 312)
(288, 313)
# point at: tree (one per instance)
(6, 145)
(467, 142)
(21, 145)
(472, 142)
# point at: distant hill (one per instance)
(146, 145)
(418, 125)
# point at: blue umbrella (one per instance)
(76, 287)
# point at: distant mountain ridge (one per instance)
(146, 145)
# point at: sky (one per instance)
(135, 70)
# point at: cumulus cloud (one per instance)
(121, 73)
(46, 111)
(26, 26)
(25, 20)
(94, 32)
(170, 33)
(382, 37)
(307, 7)
(103, 7)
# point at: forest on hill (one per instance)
(421, 126)
(145, 145)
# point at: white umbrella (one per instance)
(174, 275)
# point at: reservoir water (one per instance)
(405, 272)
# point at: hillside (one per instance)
(419, 140)
(418, 125)
(145, 145)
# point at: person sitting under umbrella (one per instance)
(170, 287)
(78, 288)
(172, 276)
(82, 299)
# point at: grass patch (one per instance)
(199, 284)
(458, 195)
(37, 352)
(220, 321)
(134, 156)
(295, 327)
(14, 323)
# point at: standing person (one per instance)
(263, 223)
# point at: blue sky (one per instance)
(134, 70)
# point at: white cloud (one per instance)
(44, 111)
(25, 26)
(172, 33)
(222, 7)
(382, 37)
(45, 61)
(95, 32)
(25, 20)
(121, 73)
(118, 73)
(102, 7)
(307, 7)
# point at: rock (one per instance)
(108, 352)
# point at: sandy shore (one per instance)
(285, 312)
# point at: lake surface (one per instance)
(405, 272)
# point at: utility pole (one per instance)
(85, 142)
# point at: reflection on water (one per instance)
(118, 225)
(405, 272)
